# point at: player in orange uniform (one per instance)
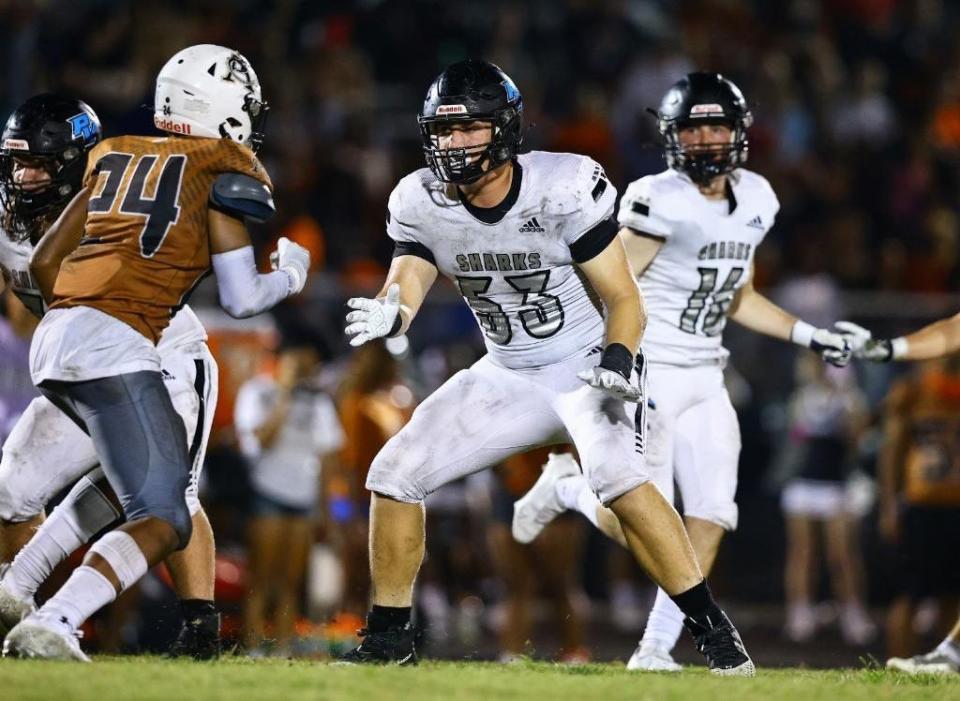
(154, 216)
(933, 457)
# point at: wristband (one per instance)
(617, 357)
(898, 348)
(802, 333)
(397, 325)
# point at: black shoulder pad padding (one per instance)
(242, 196)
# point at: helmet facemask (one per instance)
(704, 162)
(467, 164)
(25, 206)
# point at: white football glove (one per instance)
(834, 348)
(864, 345)
(294, 260)
(373, 318)
(611, 382)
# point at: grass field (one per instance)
(238, 678)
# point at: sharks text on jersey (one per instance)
(480, 262)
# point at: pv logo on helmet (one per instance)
(83, 127)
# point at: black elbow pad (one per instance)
(241, 196)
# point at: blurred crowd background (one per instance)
(857, 126)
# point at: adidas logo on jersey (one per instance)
(532, 227)
(756, 223)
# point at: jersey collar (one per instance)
(494, 215)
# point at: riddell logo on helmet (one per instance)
(16, 145)
(708, 110)
(170, 125)
(451, 109)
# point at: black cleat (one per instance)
(199, 638)
(394, 645)
(720, 643)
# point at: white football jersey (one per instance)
(184, 327)
(514, 264)
(707, 255)
(15, 262)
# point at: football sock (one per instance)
(84, 512)
(123, 555)
(574, 493)
(382, 618)
(665, 623)
(697, 604)
(196, 609)
(85, 593)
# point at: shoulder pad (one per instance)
(242, 196)
(761, 189)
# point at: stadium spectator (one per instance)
(548, 566)
(287, 428)
(920, 496)
(374, 403)
(827, 416)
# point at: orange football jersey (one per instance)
(932, 470)
(145, 243)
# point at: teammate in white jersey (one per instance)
(690, 233)
(531, 243)
(42, 159)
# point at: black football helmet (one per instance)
(704, 98)
(471, 91)
(56, 133)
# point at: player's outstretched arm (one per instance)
(61, 239)
(393, 309)
(243, 290)
(934, 341)
(757, 313)
(612, 279)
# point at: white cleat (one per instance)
(652, 658)
(13, 609)
(43, 637)
(931, 663)
(539, 506)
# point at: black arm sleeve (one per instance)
(594, 241)
(241, 196)
(413, 248)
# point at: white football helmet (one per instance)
(212, 91)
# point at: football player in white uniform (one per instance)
(936, 340)
(531, 244)
(690, 233)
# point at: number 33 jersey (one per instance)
(706, 256)
(515, 264)
(146, 240)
